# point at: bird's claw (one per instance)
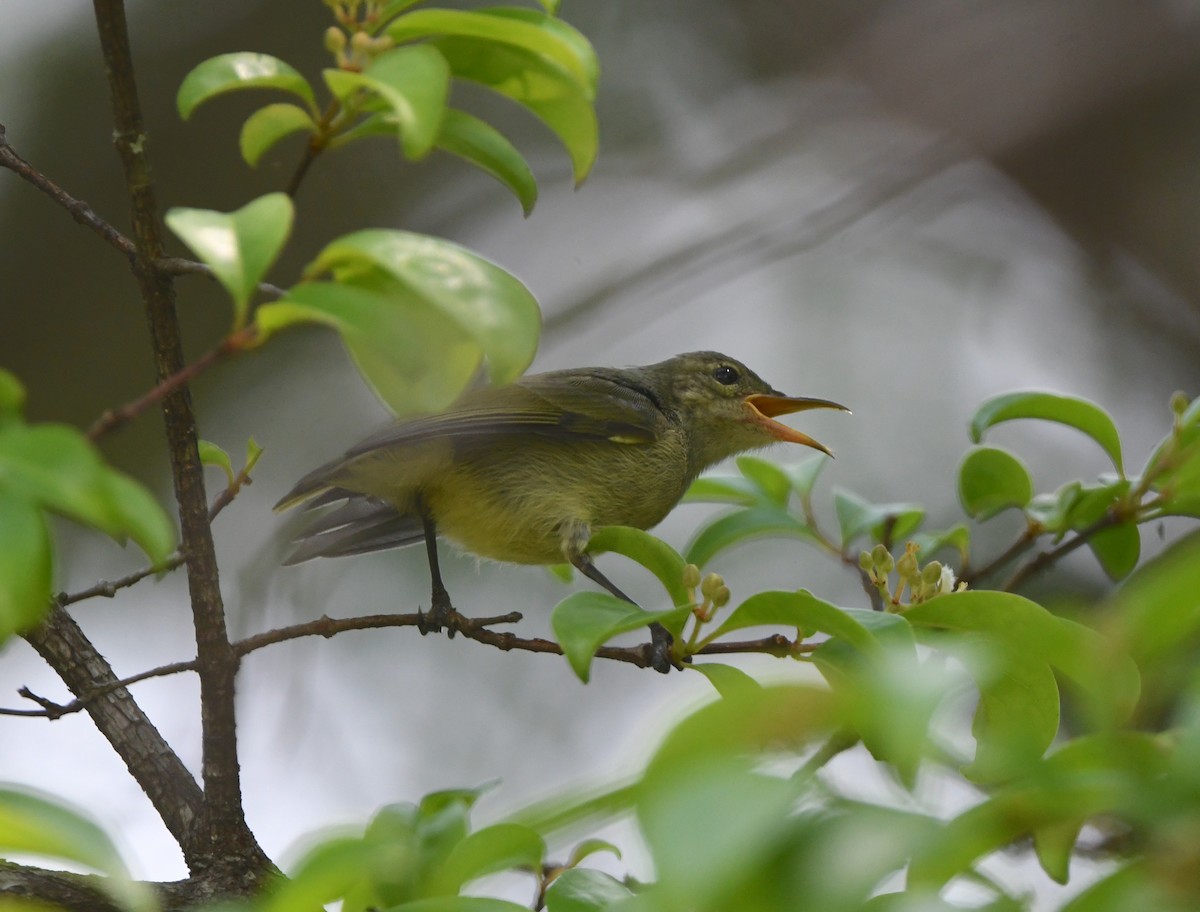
(658, 652)
(441, 615)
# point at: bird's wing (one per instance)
(359, 525)
(599, 405)
(596, 406)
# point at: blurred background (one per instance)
(903, 205)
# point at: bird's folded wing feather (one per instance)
(594, 406)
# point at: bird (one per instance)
(525, 473)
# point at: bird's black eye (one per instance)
(726, 375)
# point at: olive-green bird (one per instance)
(527, 472)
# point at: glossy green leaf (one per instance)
(242, 70)
(414, 82)
(12, 397)
(731, 489)
(1157, 611)
(552, 94)
(991, 480)
(1069, 410)
(727, 680)
(1020, 627)
(238, 246)
(1118, 549)
(804, 474)
(585, 621)
(570, 36)
(268, 125)
(413, 357)
(391, 10)
(957, 537)
(253, 452)
(1054, 845)
(742, 526)
(483, 145)
(460, 904)
(488, 304)
(564, 573)
(31, 824)
(648, 550)
(591, 847)
(857, 516)
(327, 872)
(802, 610)
(26, 567)
(584, 890)
(56, 467)
(545, 42)
(488, 851)
(769, 478)
(213, 455)
(1017, 716)
(1053, 511)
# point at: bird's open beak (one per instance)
(763, 408)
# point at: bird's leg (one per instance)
(574, 544)
(440, 607)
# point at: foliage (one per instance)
(1084, 732)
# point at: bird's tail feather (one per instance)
(359, 525)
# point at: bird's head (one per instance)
(726, 407)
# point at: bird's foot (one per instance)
(658, 652)
(441, 616)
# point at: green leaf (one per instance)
(769, 478)
(1054, 845)
(567, 34)
(56, 467)
(584, 890)
(585, 621)
(483, 145)
(733, 489)
(460, 904)
(1118, 549)
(414, 82)
(1069, 410)
(238, 246)
(857, 516)
(268, 125)
(12, 397)
(552, 94)
(727, 680)
(564, 573)
(31, 824)
(488, 851)
(804, 474)
(243, 70)
(547, 43)
(802, 610)
(488, 304)
(991, 480)
(957, 537)
(651, 552)
(591, 847)
(1026, 632)
(1053, 511)
(744, 525)
(26, 568)
(551, 6)
(412, 356)
(213, 455)
(253, 452)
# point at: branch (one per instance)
(114, 418)
(222, 843)
(1046, 558)
(150, 760)
(1012, 552)
(183, 266)
(43, 888)
(80, 211)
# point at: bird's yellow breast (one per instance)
(511, 503)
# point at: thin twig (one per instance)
(1046, 558)
(80, 211)
(114, 418)
(183, 266)
(1024, 541)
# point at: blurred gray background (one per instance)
(903, 205)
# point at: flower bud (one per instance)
(720, 597)
(710, 584)
(882, 559)
(691, 576)
(335, 40)
(865, 561)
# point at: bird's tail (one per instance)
(359, 525)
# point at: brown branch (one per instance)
(1046, 558)
(221, 845)
(150, 760)
(80, 211)
(1024, 541)
(85, 892)
(114, 418)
